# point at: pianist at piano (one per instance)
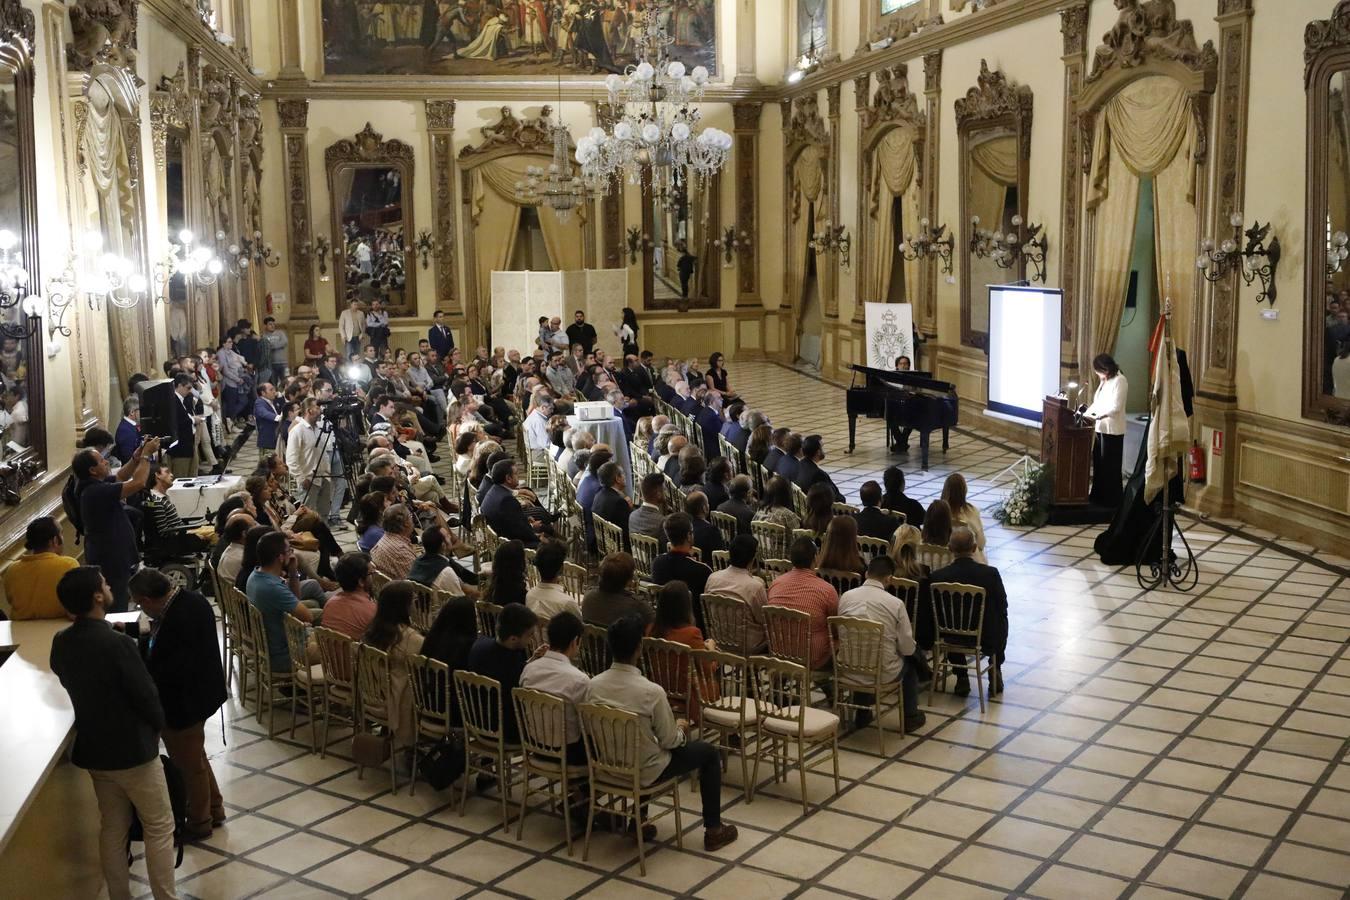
(908, 401)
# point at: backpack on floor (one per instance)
(177, 800)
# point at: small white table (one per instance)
(610, 432)
(200, 496)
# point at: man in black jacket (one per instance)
(183, 449)
(994, 636)
(610, 503)
(775, 454)
(896, 499)
(117, 723)
(678, 563)
(809, 472)
(502, 510)
(872, 522)
(738, 493)
(581, 332)
(184, 660)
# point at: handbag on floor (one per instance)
(443, 763)
(370, 750)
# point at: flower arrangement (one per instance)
(1028, 501)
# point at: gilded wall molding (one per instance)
(932, 83)
(745, 119)
(294, 116)
(831, 280)
(1073, 28)
(440, 133)
(992, 97)
(170, 107)
(369, 146)
(102, 31)
(611, 204)
(1149, 30)
(1325, 34)
(509, 135)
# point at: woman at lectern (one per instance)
(1107, 411)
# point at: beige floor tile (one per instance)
(915, 848)
(748, 884)
(870, 877)
(1085, 785)
(242, 833)
(1070, 812)
(1311, 864)
(419, 842)
(423, 885)
(356, 871)
(1223, 844)
(946, 818)
(1162, 799)
(296, 853)
(305, 807)
(1137, 826)
(230, 881)
(991, 867)
(552, 880)
(360, 824)
(835, 829)
(297, 890)
(1031, 838)
(1273, 791)
(1066, 883)
(481, 861)
(1274, 886)
(1228, 813)
(1200, 876)
(793, 858)
(1102, 854)
(674, 871)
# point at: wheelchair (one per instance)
(179, 555)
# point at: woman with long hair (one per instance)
(506, 582)
(391, 631)
(249, 562)
(758, 446)
(627, 332)
(482, 453)
(716, 377)
(1107, 411)
(464, 447)
(839, 548)
(675, 622)
(819, 508)
(316, 346)
(449, 640)
(937, 524)
(963, 512)
(905, 553)
(259, 489)
(776, 504)
(369, 512)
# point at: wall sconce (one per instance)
(1004, 249)
(1337, 252)
(318, 249)
(934, 242)
(109, 278)
(731, 243)
(250, 251)
(14, 292)
(199, 265)
(637, 242)
(1255, 260)
(833, 239)
(427, 247)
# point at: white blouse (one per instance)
(1108, 405)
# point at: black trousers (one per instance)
(1108, 452)
(701, 757)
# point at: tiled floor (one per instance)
(1147, 745)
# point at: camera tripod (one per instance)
(347, 456)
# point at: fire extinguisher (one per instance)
(1197, 463)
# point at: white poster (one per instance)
(890, 334)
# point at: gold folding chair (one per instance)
(869, 548)
(727, 706)
(907, 591)
(531, 573)
(727, 619)
(614, 759)
(857, 669)
(958, 617)
(542, 718)
(310, 685)
(934, 556)
(666, 663)
(239, 647)
(721, 559)
(789, 633)
(429, 680)
(608, 536)
(729, 453)
(772, 537)
(574, 580)
(377, 701)
(769, 569)
(645, 551)
(378, 580)
(426, 604)
(843, 509)
(337, 655)
(727, 526)
(647, 591)
(840, 579)
(269, 682)
(486, 750)
(897, 517)
(798, 499)
(487, 614)
(594, 656)
(788, 720)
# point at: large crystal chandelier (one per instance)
(655, 135)
(556, 187)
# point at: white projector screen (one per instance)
(1023, 349)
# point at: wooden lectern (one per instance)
(1067, 449)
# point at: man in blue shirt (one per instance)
(109, 539)
(274, 588)
(265, 416)
(589, 487)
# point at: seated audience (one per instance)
(611, 502)
(872, 522)
(800, 588)
(449, 640)
(391, 631)
(611, 598)
(964, 513)
(436, 568)
(547, 598)
(739, 581)
(819, 509)
(965, 569)
(667, 751)
(809, 472)
(678, 563)
(738, 503)
(707, 537)
(507, 581)
(873, 602)
(503, 511)
(394, 554)
(502, 657)
(647, 518)
(350, 610)
(555, 672)
(30, 581)
(674, 621)
(839, 548)
(274, 589)
(937, 524)
(715, 482)
(776, 504)
(896, 499)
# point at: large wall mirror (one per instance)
(23, 419)
(993, 124)
(370, 186)
(680, 221)
(1326, 375)
(181, 311)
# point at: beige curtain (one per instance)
(564, 242)
(806, 186)
(1146, 129)
(997, 159)
(495, 221)
(892, 176)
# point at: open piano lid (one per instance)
(919, 380)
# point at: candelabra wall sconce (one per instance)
(317, 250)
(731, 243)
(930, 242)
(1003, 249)
(1337, 252)
(833, 239)
(637, 242)
(1255, 260)
(197, 263)
(427, 247)
(250, 251)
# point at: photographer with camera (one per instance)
(309, 461)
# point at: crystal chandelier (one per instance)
(656, 133)
(556, 187)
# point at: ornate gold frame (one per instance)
(369, 150)
(1001, 107)
(1326, 50)
(709, 272)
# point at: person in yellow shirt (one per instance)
(30, 581)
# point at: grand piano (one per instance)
(907, 400)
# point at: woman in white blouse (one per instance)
(1108, 412)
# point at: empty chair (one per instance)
(337, 655)
(309, 680)
(727, 706)
(375, 688)
(788, 721)
(429, 680)
(726, 526)
(485, 748)
(727, 619)
(857, 670)
(645, 550)
(542, 718)
(958, 616)
(614, 760)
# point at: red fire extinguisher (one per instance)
(1196, 459)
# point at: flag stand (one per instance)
(1179, 572)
